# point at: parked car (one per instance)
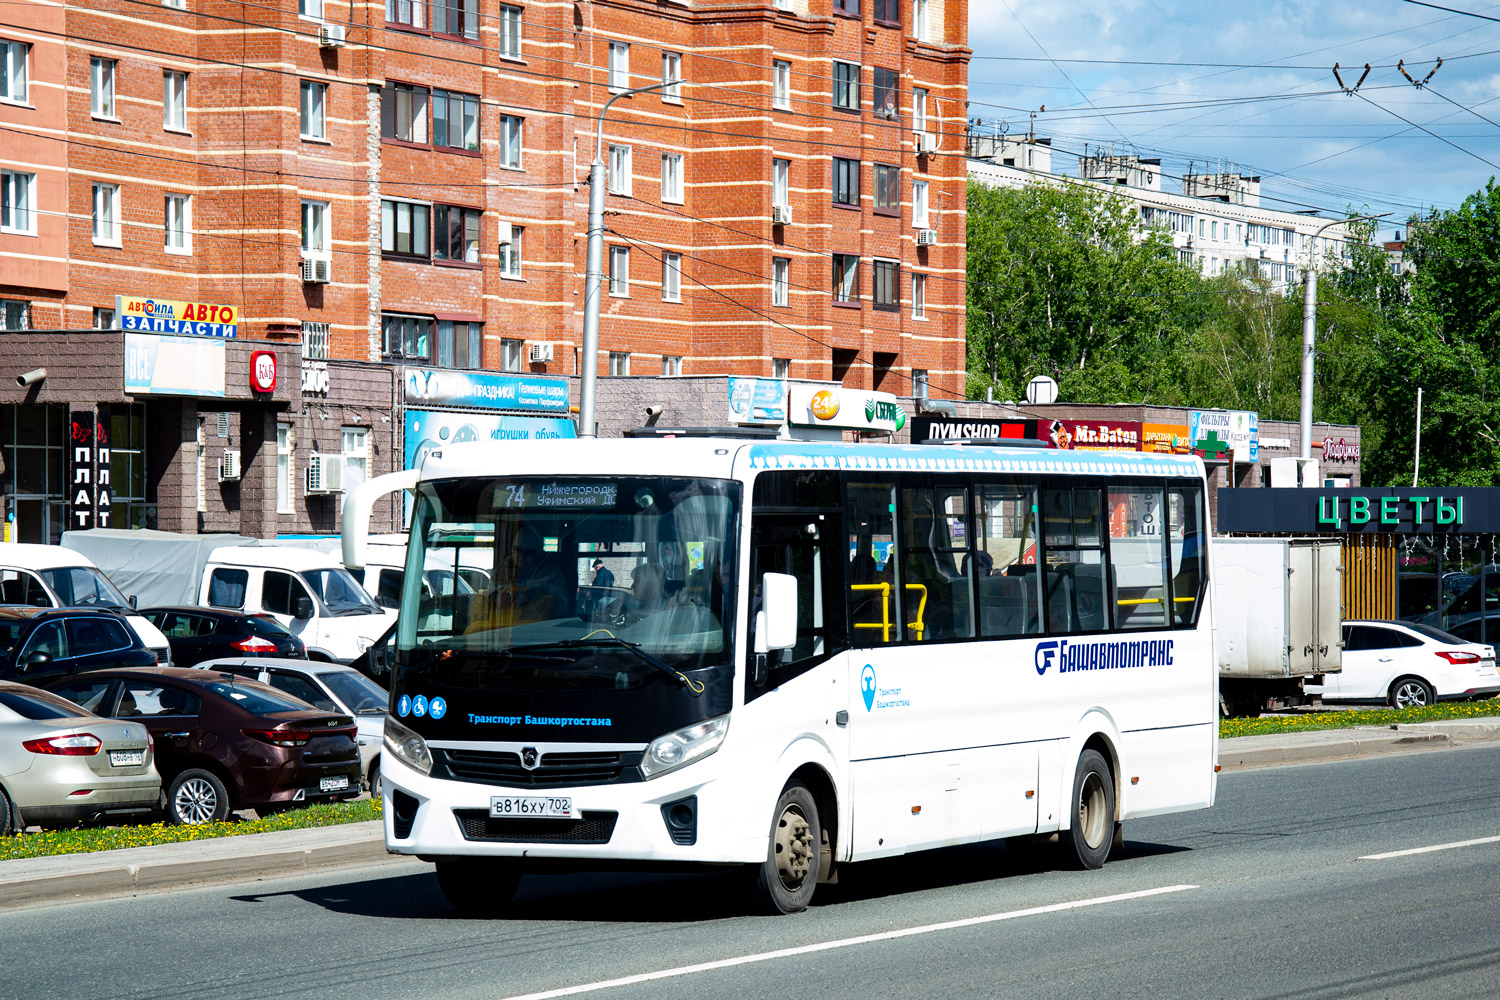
(61, 765)
(1408, 664)
(39, 643)
(331, 687)
(226, 742)
(198, 634)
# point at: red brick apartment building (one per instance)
(406, 184)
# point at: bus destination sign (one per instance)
(558, 496)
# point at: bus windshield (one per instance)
(574, 570)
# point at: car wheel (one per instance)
(10, 821)
(1093, 830)
(1411, 692)
(480, 888)
(375, 778)
(786, 880)
(196, 797)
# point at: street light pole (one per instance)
(594, 267)
(1310, 327)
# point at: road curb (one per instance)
(1323, 753)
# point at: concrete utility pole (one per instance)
(1310, 329)
(595, 265)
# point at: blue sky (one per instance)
(1277, 111)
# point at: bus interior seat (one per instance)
(1005, 606)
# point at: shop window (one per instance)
(127, 454)
(34, 441)
(284, 466)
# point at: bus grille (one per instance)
(594, 828)
(503, 767)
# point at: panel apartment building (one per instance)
(404, 185)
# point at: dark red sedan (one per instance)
(224, 741)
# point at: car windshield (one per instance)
(41, 705)
(573, 565)
(1436, 633)
(255, 697)
(362, 695)
(339, 591)
(265, 627)
(83, 586)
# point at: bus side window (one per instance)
(1137, 557)
(875, 600)
(1185, 527)
(935, 566)
(1004, 562)
(1074, 576)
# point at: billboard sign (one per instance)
(160, 365)
(485, 390)
(757, 400)
(428, 430)
(195, 319)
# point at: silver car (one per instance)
(332, 687)
(61, 764)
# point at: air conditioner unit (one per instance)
(315, 270)
(781, 214)
(229, 466)
(325, 474)
(331, 36)
(926, 237)
(541, 352)
(924, 143)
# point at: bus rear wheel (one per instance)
(1093, 831)
(481, 887)
(786, 880)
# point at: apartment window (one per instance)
(459, 344)
(13, 71)
(15, 314)
(919, 214)
(846, 278)
(849, 8)
(888, 12)
(107, 214)
(407, 13)
(17, 195)
(455, 234)
(619, 66)
(455, 120)
(315, 238)
(887, 190)
(781, 84)
(102, 87)
(284, 464)
(314, 124)
(174, 100)
(887, 285)
(456, 18)
(510, 254)
(781, 367)
(783, 4)
(619, 170)
(845, 182)
(887, 92)
(781, 171)
(315, 341)
(671, 365)
(510, 32)
(403, 112)
(178, 213)
(619, 272)
(781, 268)
(512, 352)
(408, 337)
(510, 141)
(671, 177)
(671, 277)
(671, 75)
(354, 446)
(619, 363)
(846, 86)
(310, 8)
(919, 383)
(919, 109)
(921, 15)
(404, 226)
(919, 296)
(104, 318)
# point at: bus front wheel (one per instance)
(785, 881)
(1093, 830)
(480, 887)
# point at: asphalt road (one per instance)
(1270, 894)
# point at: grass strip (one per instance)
(47, 843)
(1308, 721)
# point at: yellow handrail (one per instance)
(885, 608)
(921, 609)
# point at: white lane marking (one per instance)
(808, 949)
(1429, 850)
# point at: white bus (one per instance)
(792, 655)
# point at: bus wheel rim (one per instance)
(1091, 818)
(793, 848)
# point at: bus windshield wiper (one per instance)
(695, 688)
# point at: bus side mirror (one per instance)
(776, 622)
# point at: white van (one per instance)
(306, 591)
(50, 576)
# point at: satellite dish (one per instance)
(1041, 390)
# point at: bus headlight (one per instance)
(407, 746)
(669, 752)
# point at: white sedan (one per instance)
(1407, 664)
